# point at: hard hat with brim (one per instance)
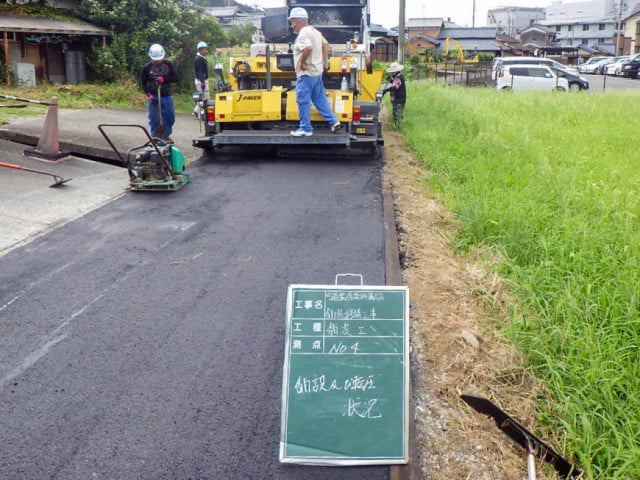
(395, 67)
(298, 12)
(156, 52)
(202, 45)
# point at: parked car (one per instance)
(602, 65)
(576, 82)
(590, 65)
(524, 77)
(615, 67)
(631, 67)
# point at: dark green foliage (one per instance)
(136, 24)
(241, 34)
(414, 60)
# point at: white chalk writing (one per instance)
(342, 348)
(322, 384)
(309, 304)
(348, 296)
(363, 408)
(349, 314)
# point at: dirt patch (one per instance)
(455, 347)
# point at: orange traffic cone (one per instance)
(48, 147)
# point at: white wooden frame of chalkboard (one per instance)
(331, 458)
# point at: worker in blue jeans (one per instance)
(310, 55)
(156, 77)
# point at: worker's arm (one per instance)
(325, 54)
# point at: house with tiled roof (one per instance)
(480, 39)
(417, 44)
(537, 38)
(509, 46)
(43, 49)
(426, 26)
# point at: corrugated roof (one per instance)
(15, 23)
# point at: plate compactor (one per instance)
(155, 166)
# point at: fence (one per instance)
(469, 75)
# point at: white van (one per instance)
(576, 82)
(499, 61)
(530, 77)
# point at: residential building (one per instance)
(631, 29)
(41, 49)
(592, 23)
(511, 20)
(425, 33)
(231, 15)
(541, 40)
(419, 43)
(480, 39)
(385, 43)
(430, 27)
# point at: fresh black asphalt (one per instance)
(145, 339)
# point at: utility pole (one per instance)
(401, 31)
(618, 27)
(473, 15)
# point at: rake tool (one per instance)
(58, 179)
(523, 437)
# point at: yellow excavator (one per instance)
(468, 57)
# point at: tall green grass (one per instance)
(550, 185)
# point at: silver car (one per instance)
(591, 65)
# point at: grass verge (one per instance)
(126, 94)
(548, 185)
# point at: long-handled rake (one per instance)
(58, 179)
(523, 437)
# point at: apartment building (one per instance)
(511, 20)
(602, 25)
(593, 23)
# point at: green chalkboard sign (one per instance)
(346, 375)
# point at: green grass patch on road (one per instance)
(550, 185)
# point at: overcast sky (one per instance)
(385, 12)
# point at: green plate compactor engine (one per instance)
(154, 166)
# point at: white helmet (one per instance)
(201, 45)
(156, 52)
(395, 67)
(298, 12)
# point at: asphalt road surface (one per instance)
(145, 340)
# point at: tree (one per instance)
(241, 34)
(136, 24)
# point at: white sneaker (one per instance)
(301, 133)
